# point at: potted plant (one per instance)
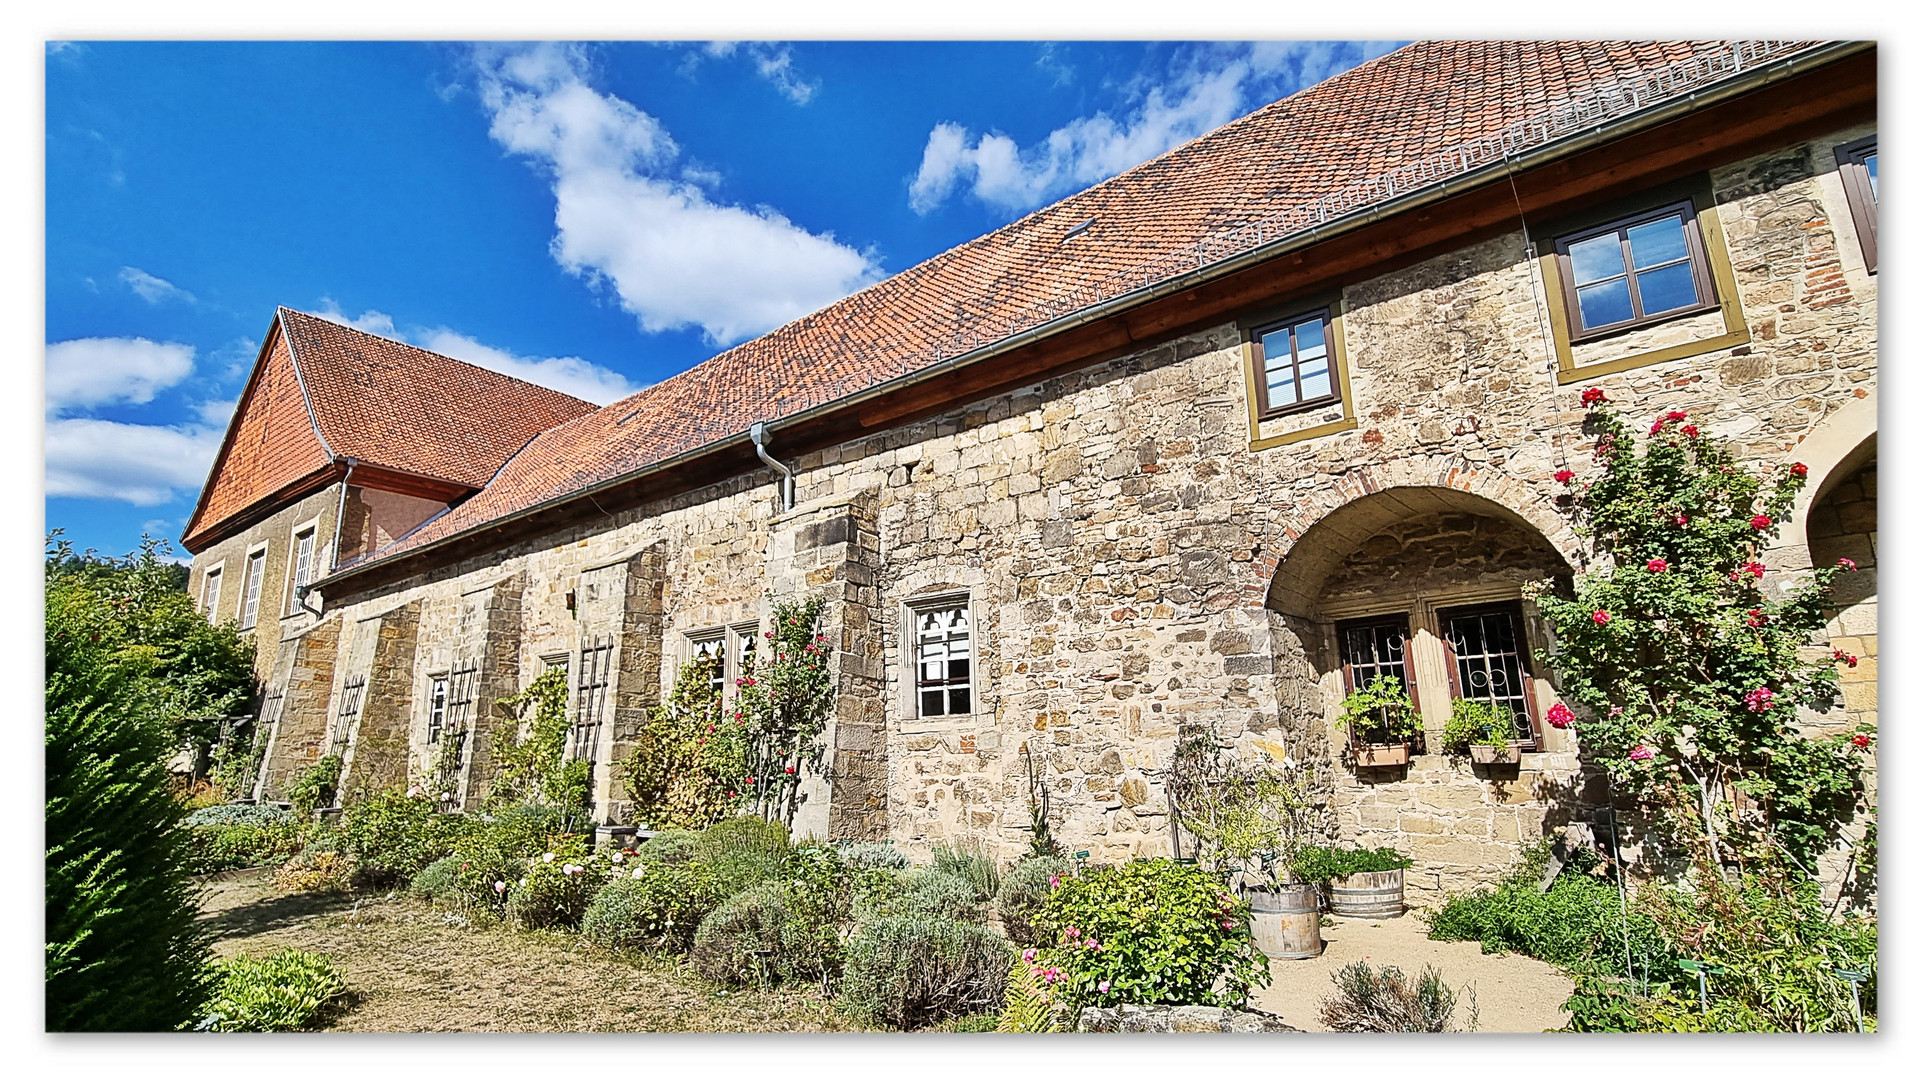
(1483, 731)
(1380, 722)
(1361, 883)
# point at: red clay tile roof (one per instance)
(1382, 114)
(380, 401)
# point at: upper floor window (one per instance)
(210, 594)
(250, 600)
(1295, 364)
(1634, 271)
(943, 657)
(302, 568)
(731, 649)
(1860, 176)
(437, 708)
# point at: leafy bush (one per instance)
(1149, 932)
(1320, 865)
(939, 894)
(284, 991)
(320, 871)
(737, 835)
(687, 765)
(438, 880)
(652, 907)
(559, 885)
(755, 939)
(239, 814)
(489, 859)
(877, 894)
(1575, 924)
(912, 971)
(1022, 892)
(1379, 713)
(530, 754)
(874, 857)
(212, 848)
(968, 861)
(1365, 1000)
(1474, 722)
(1031, 1003)
(524, 829)
(670, 847)
(395, 835)
(315, 786)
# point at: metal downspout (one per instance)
(758, 432)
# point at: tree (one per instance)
(1695, 679)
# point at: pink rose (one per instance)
(1105, 985)
(1601, 618)
(1847, 565)
(1560, 716)
(1657, 566)
(1759, 699)
(1641, 753)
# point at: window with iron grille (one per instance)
(1487, 660)
(1860, 176)
(943, 657)
(343, 721)
(1375, 648)
(596, 672)
(1295, 362)
(1634, 271)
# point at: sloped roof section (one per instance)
(324, 391)
(1390, 112)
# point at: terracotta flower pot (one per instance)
(1375, 755)
(1487, 755)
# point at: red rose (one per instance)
(1559, 716)
(1592, 396)
(1679, 519)
(1863, 740)
(1690, 431)
(1847, 564)
(1761, 522)
(1565, 476)
(1658, 566)
(1641, 753)
(789, 770)
(1798, 470)
(1657, 426)
(1842, 657)
(1675, 416)
(1756, 617)
(1601, 617)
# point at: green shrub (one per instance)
(213, 848)
(1474, 722)
(437, 880)
(395, 835)
(320, 871)
(1149, 932)
(749, 939)
(669, 847)
(876, 894)
(1322, 864)
(559, 885)
(1575, 924)
(315, 786)
(284, 991)
(1023, 890)
(652, 907)
(744, 835)
(1387, 1000)
(239, 814)
(489, 859)
(938, 894)
(912, 971)
(874, 857)
(968, 860)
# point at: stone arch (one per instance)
(1831, 452)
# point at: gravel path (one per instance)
(1516, 993)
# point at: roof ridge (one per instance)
(438, 355)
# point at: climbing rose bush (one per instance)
(1694, 679)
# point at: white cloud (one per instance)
(87, 372)
(1204, 88)
(373, 322)
(143, 464)
(567, 374)
(216, 413)
(626, 216)
(771, 60)
(150, 288)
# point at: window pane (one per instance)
(1316, 381)
(1280, 387)
(1604, 303)
(1658, 242)
(931, 703)
(1596, 259)
(962, 700)
(1312, 337)
(1872, 164)
(1667, 288)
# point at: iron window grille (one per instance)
(1634, 271)
(943, 658)
(1859, 163)
(596, 672)
(1295, 362)
(350, 695)
(1376, 648)
(250, 601)
(1487, 661)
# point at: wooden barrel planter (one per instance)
(1286, 921)
(1377, 895)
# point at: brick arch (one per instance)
(1308, 538)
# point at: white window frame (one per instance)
(248, 585)
(438, 690)
(210, 606)
(910, 685)
(310, 529)
(729, 638)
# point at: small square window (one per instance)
(1634, 271)
(943, 658)
(1860, 176)
(1295, 364)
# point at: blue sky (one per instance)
(593, 217)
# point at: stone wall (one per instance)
(278, 617)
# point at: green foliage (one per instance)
(1023, 891)
(911, 971)
(236, 761)
(940, 894)
(559, 885)
(123, 949)
(209, 849)
(1691, 675)
(1030, 1003)
(1387, 1000)
(744, 851)
(785, 930)
(1574, 925)
(967, 860)
(1245, 816)
(315, 786)
(239, 814)
(288, 990)
(783, 705)
(530, 753)
(1320, 864)
(318, 871)
(490, 858)
(671, 846)
(1379, 713)
(438, 880)
(1149, 932)
(878, 893)
(1478, 723)
(652, 907)
(688, 767)
(874, 857)
(394, 836)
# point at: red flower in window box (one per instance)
(1565, 476)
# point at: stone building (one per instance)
(1198, 448)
